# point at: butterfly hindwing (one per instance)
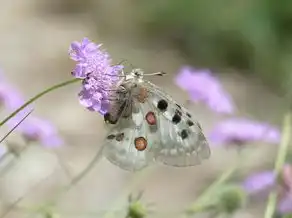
(182, 142)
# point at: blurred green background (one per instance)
(250, 37)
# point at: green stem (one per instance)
(204, 197)
(37, 97)
(280, 161)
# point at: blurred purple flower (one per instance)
(35, 129)
(285, 205)
(204, 87)
(99, 76)
(259, 182)
(239, 130)
(266, 181)
(10, 98)
(32, 128)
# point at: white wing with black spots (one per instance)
(182, 141)
(150, 127)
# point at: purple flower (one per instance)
(35, 129)
(243, 130)
(100, 77)
(32, 128)
(89, 57)
(202, 86)
(10, 98)
(266, 181)
(259, 182)
(285, 204)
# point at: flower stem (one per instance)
(200, 203)
(272, 201)
(37, 97)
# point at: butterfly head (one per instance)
(134, 77)
(136, 74)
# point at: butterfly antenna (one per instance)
(132, 66)
(7, 134)
(122, 61)
(161, 73)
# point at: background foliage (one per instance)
(252, 36)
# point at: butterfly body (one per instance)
(154, 128)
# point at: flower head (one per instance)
(99, 76)
(32, 128)
(259, 182)
(202, 86)
(266, 181)
(36, 129)
(137, 209)
(89, 57)
(230, 199)
(10, 98)
(243, 130)
(285, 204)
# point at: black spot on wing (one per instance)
(190, 123)
(176, 118)
(120, 137)
(178, 106)
(189, 115)
(111, 136)
(162, 105)
(184, 134)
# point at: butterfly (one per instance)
(146, 125)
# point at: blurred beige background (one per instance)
(35, 38)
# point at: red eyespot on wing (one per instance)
(150, 118)
(140, 143)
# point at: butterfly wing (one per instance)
(120, 148)
(151, 126)
(181, 140)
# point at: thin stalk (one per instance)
(280, 161)
(200, 202)
(68, 82)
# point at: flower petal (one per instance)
(285, 205)
(204, 87)
(243, 130)
(99, 76)
(259, 182)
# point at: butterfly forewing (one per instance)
(124, 145)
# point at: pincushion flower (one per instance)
(100, 77)
(241, 130)
(33, 128)
(36, 129)
(202, 86)
(10, 98)
(266, 181)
